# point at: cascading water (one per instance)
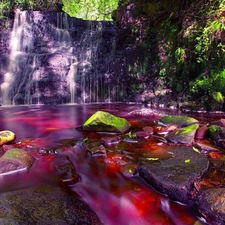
(16, 44)
(56, 59)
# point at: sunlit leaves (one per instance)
(90, 9)
(180, 55)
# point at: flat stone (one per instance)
(211, 205)
(175, 176)
(183, 135)
(178, 120)
(186, 130)
(44, 205)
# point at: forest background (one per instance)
(175, 50)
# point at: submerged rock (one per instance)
(106, 122)
(15, 160)
(66, 171)
(175, 176)
(211, 205)
(95, 148)
(6, 136)
(44, 205)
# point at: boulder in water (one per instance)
(178, 120)
(15, 160)
(44, 205)
(6, 136)
(175, 176)
(183, 135)
(106, 122)
(186, 128)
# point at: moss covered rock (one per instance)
(175, 176)
(106, 122)
(186, 128)
(217, 133)
(15, 160)
(178, 120)
(183, 135)
(44, 205)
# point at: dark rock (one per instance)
(106, 122)
(206, 147)
(95, 148)
(211, 205)
(201, 132)
(220, 122)
(142, 134)
(66, 170)
(44, 205)
(148, 130)
(112, 140)
(175, 176)
(129, 170)
(217, 133)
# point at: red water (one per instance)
(116, 199)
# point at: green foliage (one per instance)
(217, 96)
(213, 83)
(90, 9)
(8, 5)
(180, 55)
(4, 7)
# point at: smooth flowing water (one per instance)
(115, 198)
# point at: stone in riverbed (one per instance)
(211, 205)
(217, 133)
(185, 134)
(181, 121)
(6, 136)
(106, 122)
(15, 160)
(175, 176)
(44, 205)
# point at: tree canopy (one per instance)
(90, 9)
(85, 9)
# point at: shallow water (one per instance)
(116, 199)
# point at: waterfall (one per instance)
(16, 43)
(56, 59)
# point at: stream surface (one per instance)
(115, 198)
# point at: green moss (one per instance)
(178, 120)
(189, 129)
(104, 121)
(18, 154)
(214, 129)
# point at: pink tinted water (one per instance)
(115, 198)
